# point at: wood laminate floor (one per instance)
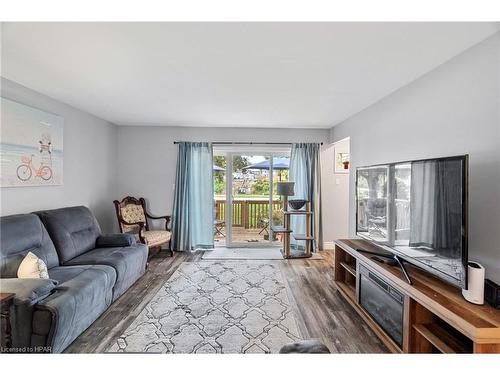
(319, 309)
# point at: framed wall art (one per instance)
(341, 162)
(31, 146)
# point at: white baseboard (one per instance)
(328, 245)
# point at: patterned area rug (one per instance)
(215, 307)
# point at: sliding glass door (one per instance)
(246, 204)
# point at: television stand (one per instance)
(396, 260)
(435, 316)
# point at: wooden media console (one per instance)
(436, 318)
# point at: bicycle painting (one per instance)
(33, 156)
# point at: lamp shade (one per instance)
(285, 188)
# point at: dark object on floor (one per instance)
(297, 204)
(305, 347)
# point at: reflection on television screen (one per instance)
(416, 209)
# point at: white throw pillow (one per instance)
(32, 267)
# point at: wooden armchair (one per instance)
(133, 218)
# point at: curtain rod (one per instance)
(250, 143)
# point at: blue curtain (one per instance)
(305, 171)
(192, 216)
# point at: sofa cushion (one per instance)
(66, 273)
(19, 235)
(73, 230)
(32, 267)
(83, 294)
(115, 240)
(129, 263)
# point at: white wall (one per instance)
(455, 109)
(147, 156)
(89, 155)
(335, 195)
(103, 162)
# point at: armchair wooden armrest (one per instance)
(166, 217)
(157, 217)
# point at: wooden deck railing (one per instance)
(246, 212)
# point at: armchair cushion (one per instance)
(115, 240)
(132, 213)
(156, 237)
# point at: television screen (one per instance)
(417, 210)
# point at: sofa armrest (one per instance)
(116, 240)
(27, 291)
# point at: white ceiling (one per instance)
(301, 75)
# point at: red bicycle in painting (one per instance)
(27, 168)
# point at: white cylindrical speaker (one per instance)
(475, 291)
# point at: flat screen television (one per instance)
(417, 210)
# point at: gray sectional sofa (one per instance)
(87, 272)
